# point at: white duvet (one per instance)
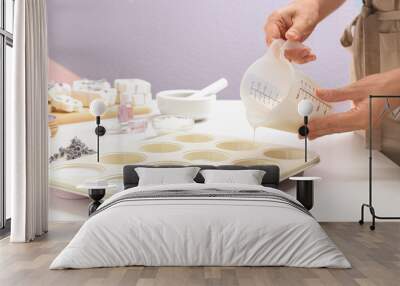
(200, 232)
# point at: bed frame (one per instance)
(271, 178)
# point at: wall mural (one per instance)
(134, 59)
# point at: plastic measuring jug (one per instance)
(272, 88)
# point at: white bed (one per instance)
(248, 226)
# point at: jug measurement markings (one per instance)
(267, 94)
(306, 93)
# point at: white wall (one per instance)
(181, 43)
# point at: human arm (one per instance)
(357, 118)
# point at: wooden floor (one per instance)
(375, 257)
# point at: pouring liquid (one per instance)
(254, 134)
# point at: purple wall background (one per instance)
(181, 43)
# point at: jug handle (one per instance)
(276, 48)
(288, 45)
(279, 47)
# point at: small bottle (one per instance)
(125, 111)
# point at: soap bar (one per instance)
(88, 90)
(58, 88)
(139, 99)
(134, 87)
(87, 84)
(87, 96)
(66, 103)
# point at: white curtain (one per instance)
(27, 155)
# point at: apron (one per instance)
(374, 40)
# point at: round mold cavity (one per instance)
(123, 158)
(161, 147)
(79, 171)
(238, 145)
(206, 155)
(168, 163)
(194, 138)
(285, 154)
(254, 162)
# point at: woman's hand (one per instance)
(358, 117)
(296, 22)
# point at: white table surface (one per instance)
(343, 167)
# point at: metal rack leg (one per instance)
(372, 211)
(361, 221)
(374, 216)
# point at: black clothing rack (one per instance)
(370, 204)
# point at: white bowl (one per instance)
(175, 102)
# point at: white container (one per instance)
(165, 124)
(272, 88)
(176, 102)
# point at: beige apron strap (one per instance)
(371, 44)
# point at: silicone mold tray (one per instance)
(180, 149)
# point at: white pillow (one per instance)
(242, 177)
(166, 176)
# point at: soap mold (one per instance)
(285, 154)
(169, 163)
(123, 158)
(238, 145)
(206, 156)
(254, 162)
(194, 138)
(180, 149)
(161, 147)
